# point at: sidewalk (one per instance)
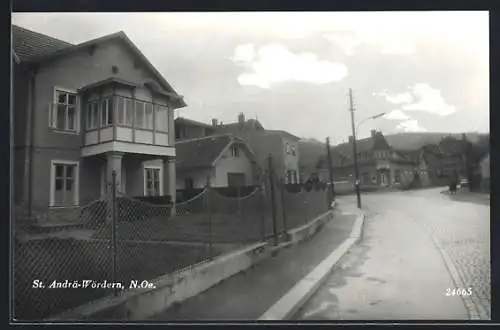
(248, 295)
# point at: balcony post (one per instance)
(114, 110)
(169, 179)
(113, 163)
(155, 107)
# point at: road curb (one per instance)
(294, 299)
(475, 311)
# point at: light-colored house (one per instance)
(283, 146)
(222, 160)
(83, 111)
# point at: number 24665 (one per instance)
(458, 292)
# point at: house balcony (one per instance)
(127, 125)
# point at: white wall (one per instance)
(229, 164)
(218, 175)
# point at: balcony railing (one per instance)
(118, 118)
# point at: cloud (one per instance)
(398, 47)
(396, 115)
(421, 97)
(244, 54)
(429, 100)
(273, 64)
(411, 126)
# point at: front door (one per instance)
(65, 190)
(383, 179)
(236, 179)
(152, 178)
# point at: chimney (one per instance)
(241, 118)
(214, 122)
(373, 133)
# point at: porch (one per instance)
(137, 175)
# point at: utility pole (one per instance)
(330, 171)
(354, 150)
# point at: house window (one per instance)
(397, 176)
(188, 183)
(64, 183)
(125, 112)
(63, 114)
(106, 112)
(153, 181)
(148, 116)
(92, 115)
(161, 119)
(290, 149)
(235, 150)
(291, 177)
(140, 108)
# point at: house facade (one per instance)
(83, 112)
(220, 160)
(283, 146)
(378, 163)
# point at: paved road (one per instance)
(414, 245)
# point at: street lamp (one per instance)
(369, 118)
(354, 146)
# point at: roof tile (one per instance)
(29, 44)
(200, 152)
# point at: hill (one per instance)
(309, 152)
(413, 141)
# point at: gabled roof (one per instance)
(29, 45)
(204, 152)
(363, 145)
(38, 47)
(107, 81)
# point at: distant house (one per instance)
(282, 145)
(223, 160)
(453, 156)
(378, 163)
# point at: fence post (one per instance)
(262, 213)
(113, 228)
(209, 217)
(283, 207)
(273, 198)
(331, 199)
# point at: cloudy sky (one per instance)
(428, 71)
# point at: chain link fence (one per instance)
(119, 239)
